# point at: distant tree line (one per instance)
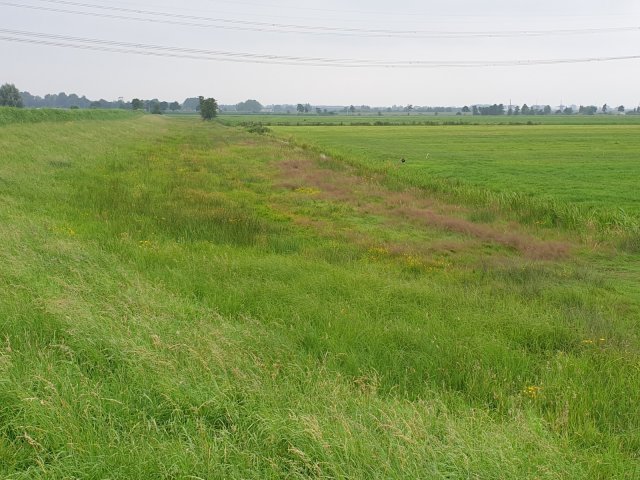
(496, 109)
(73, 101)
(154, 106)
(11, 96)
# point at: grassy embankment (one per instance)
(185, 300)
(37, 115)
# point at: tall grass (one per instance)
(169, 309)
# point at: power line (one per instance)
(247, 25)
(183, 50)
(403, 13)
(65, 41)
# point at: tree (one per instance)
(621, 108)
(494, 109)
(250, 106)
(465, 109)
(300, 108)
(154, 107)
(475, 110)
(208, 108)
(10, 96)
(605, 108)
(525, 110)
(352, 109)
(547, 110)
(174, 106)
(516, 110)
(590, 110)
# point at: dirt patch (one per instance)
(369, 196)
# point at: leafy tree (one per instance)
(208, 108)
(621, 108)
(586, 110)
(10, 96)
(547, 110)
(516, 110)
(307, 108)
(605, 108)
(174, 106)
(525, 110)
(155, 108)
(465, 109)
(352, 109)
(568, 111)
(250, 106)
(300, 108)
(61, 100)
(494, 109)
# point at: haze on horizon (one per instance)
(42, 69)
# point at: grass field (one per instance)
(420, 119)
(181, 299)
(562, 174)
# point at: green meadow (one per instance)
(401, 119)
(183, 299)
(575, 175)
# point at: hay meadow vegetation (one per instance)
(185, 299)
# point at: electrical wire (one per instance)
(246, 25)
(397, 13)
(65, 41)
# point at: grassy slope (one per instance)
(10, 115)
(175, 302)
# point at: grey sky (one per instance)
(46, 69)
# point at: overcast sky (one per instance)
(42, 69)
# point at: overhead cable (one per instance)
(283, 28)
(66, 41)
